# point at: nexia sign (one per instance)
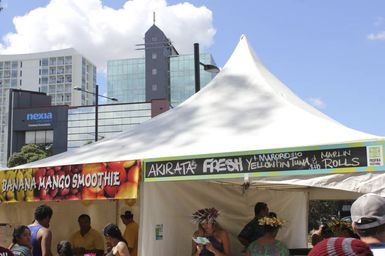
(39, 116)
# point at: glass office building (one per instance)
(126, 78)
(162, 73)
(113, 118)
(182, 76)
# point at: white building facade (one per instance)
(55, 73)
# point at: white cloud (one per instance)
(377, 36)
(379, 21)
(317, 102)
(102, 33)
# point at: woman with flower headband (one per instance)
(267, 245)
(210, 239)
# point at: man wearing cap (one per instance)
(87, 239)
(368, 221)
(131, 232)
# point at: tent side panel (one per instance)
(167, 227)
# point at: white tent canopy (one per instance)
(243, 108)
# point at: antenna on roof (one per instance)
(153, 16)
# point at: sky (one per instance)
(330, 53)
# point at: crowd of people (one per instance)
(363, 236)
(35, 239)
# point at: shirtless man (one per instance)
(41, 235)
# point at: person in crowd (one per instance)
(87, 239)
(131, 232)
(341, 246)
(252, 231)
(64, 248)
(41, 235)
(267, 244)
(114, 237)
(327, 232)
(216, 242)
(323, 232)
(316, 235)
(21, 242)
(368, 221)
(5, 251)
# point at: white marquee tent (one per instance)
(244, 108)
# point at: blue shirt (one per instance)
(36, 247)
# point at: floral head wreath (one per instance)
(271, 221)
(206, 214)
(338, 224)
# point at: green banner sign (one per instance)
(365, 156)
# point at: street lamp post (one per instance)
(96, 93)
(96, 112)
(207, 67)
(196, 68)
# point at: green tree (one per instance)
(28, 153)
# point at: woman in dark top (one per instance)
(21, 242)
(217, 243)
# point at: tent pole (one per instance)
(117, 212)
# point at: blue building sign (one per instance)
(39, 116)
